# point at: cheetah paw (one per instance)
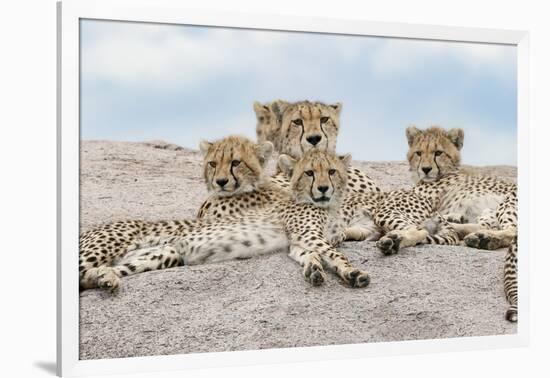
(512, 315)
(357, 278)
(356, 233)
(389, 244)
(314, 274)
(108, 279)
(456, 218)
(338, 239)
(482, 240)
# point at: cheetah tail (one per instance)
(511, 281)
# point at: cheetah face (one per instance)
(234, 165)
(433, 153)
(306, 126)
(268, 121)
(319, 177)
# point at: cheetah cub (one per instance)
(298, 222)
(233, 170)
(268, 124)
(482, 209)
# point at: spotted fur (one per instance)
(408, 219)
(297, 221)
(309, 125)
(355, 212)
(262, 190)
(234, 165)
(482, 209)
(295, 128)
(268, 125)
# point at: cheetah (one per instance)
(297, 222)
(482, 209)
(268, 119)
(233, 170)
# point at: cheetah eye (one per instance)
(418, 153)
(331, 171)
(235, 163)
(309, 173)
(324, 119)
(437, 153)
(212, 164)
(298, 122)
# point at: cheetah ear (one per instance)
(264, 151)
(204, 146)
(286, 164)
(412, 132)
(278, 107)
(456, 136)
(337, 107)
(260, 110)
(346, 159)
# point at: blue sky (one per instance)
(182, 84)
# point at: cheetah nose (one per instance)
(426, 170)
(314, 139)
(323, 189)
(222, 182)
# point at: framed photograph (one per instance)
(242, 189)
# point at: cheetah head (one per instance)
(433, 152)
(268, 121)
(234, 165)
(319, 177)
(309, 125)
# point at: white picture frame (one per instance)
(172, 11)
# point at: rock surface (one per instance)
(424, 292)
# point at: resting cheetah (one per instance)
(299, 221)
(233, 169)
(483, 209)
(268, 118)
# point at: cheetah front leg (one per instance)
(455, 218)
(505, 235)
(487, 220)
(440, 231)
(311, 262)
(340, 265)
(394, 240)
(360, 233)
(330, 257)
(491, 239)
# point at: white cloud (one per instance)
(168, 56)
(405, 56)
(484, 146)
(153, 55)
